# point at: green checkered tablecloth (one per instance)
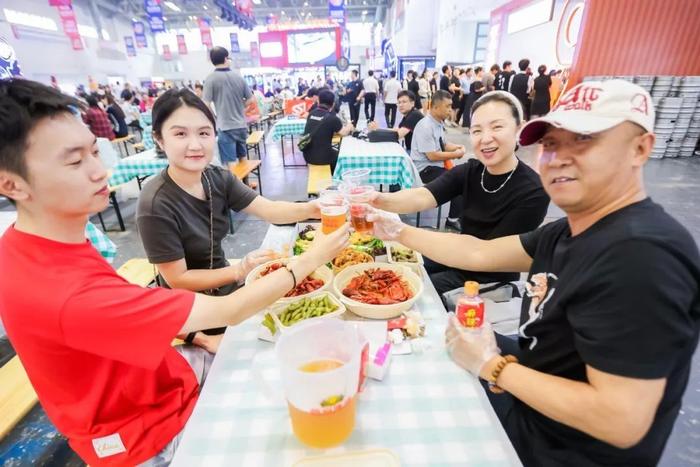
(286, 126)
(138, 165)
(101, 242)
(426, 410)
(389, 162)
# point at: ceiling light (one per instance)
(306, 3)
(364, 2)
(364, 12)
(165, 19)
(171, 5)
(257, 2)
(205, 7)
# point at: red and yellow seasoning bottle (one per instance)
(470, 307)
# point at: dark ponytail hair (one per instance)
(173, 99)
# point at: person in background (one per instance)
(269, 91)
(228, 94)
(97, 349)
(611, 315)
(424, 89)
(520, 86)
(434, 83)
(411, 117)
(391, 91)
(323, 124)
(371, 89)
(465, 80)
(476, 90)
(126, 91)
(540, 102)
(429, 150)
(555, 88)
(116, 116)
(414, 87)
(504, 76)
(500, 195)
(199, 90)
(455, 88)
(96, 119)
(489, 79)
(353, 96)
(257, 93)
(131, 112)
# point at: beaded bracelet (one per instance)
(505, 360)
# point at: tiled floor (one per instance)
(671, 182)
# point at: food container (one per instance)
(360, 256)
(277, 309)
(323, 273)
(416, 267)
(377, 311)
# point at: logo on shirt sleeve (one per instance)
(540, 289)
(108, 445)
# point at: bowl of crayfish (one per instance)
(377, 291)
(317, 281)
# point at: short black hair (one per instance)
(312, 92)
(440, 95)
(523, 64)
(218, 55)
(355, 72)
(468, 70)
(370, 72)
(542, 69)
(409, 94)
(23, 103)
(445, 68)
(499, 96)
(199, 86)
(478, 70)
(392, 73)
(173, 99)
(495, 67)
(92, 99)
(326, 97)
(506, 64)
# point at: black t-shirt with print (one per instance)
(520, 206)
(622, 297)
(323, 124)
(175, 225)
(502, 81)
(410, 121)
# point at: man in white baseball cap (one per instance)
(611, 316)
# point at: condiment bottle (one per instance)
(470, 307)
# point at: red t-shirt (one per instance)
(96, 348)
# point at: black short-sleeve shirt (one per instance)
(174, 224)
(519, 206)
(444, 84)
(323, 124)
(352, 90)
(622, 297)
(410, 121)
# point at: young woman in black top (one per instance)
(116, 116)
(414, 87)
(501, 195)
(540, 104)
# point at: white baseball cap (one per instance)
(594, 106)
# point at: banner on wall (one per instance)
(254, 52)
(68, 20)
(60, 2)
(76, 42)
(245, 6)
(336, 10)
(235, 46)
(155, 15)
(140, 34)
(9, 66)
(130, 48)
(166, 52)
(205, 32)
(181, 44)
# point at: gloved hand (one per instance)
(470, 349)
(252, 260)
(386, 226)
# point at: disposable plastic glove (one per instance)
(470, 349)
(386, 226)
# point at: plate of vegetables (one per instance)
(280, 318)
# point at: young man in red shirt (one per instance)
(96, 348)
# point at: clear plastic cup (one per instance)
(334, 210)
(356, 177)
(359, 198)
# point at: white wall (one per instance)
(416, 35)
(45, 53)
(536, 43)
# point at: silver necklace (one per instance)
(502, 184)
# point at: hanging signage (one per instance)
(130, 48)
(181, 44)
(155, 15)
(166, 52)
(76, 42)
(140, 34)
(68, 20)
(245, 6)
(336, 10)
(9, 66)
(235, 46)
(60, 2)
(205, 32)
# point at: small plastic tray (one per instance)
(416, 267)
(277, 309)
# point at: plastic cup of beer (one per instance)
(334, 210)
(359, 198)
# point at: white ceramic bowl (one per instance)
(324, 273)
(377, 311)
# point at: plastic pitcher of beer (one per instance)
(321, 365)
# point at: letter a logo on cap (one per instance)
(640, 104)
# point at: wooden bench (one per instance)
(139, 147)
(115, 204)
(253, 142)
(245, 167)
(123, 141)
(17, 396)
(320, 178)
(335, 141)
(138, 271)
